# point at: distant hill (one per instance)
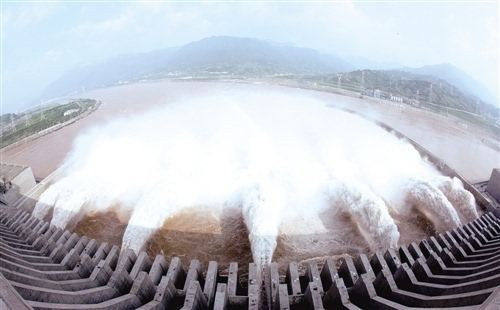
(457, 78)
(231, 57)
(243, 56)
(365, 63)
(251, 56)
(107, 73)
(417, 89)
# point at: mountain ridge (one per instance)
(457, 77)
(238, 56)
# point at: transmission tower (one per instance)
(430, 94)
(41, 112)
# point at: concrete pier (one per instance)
(43, 267)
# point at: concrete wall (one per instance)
(21, 179)
(494, 184)
(28, 200)
(24, 181)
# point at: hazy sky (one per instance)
(42, 40)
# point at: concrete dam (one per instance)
(443, 253)
(45, 267)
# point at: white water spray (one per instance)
(272, 154)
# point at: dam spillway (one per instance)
(44, 267)
(51, 267)
(284, 175)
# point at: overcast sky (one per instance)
(41, 41)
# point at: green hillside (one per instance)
(423, 91)
(18, 126)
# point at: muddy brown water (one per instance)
(102, 226)
(199, 234)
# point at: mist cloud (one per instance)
(279, 158)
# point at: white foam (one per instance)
(278, 157)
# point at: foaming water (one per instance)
(284, 161)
